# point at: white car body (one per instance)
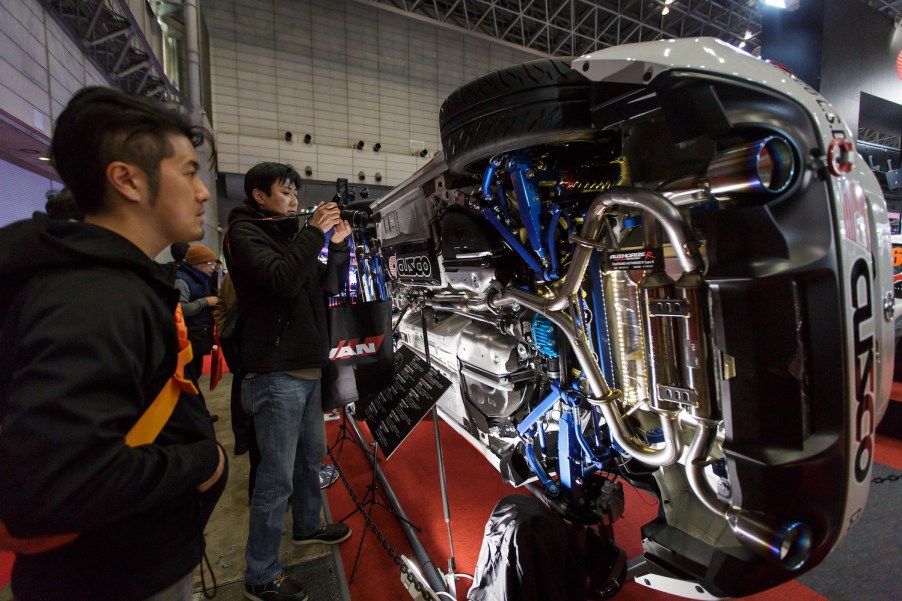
(717, 159)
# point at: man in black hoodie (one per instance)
(280, 286)
(88, 341)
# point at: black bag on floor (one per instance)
(361, 356)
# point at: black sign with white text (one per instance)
(394, 413)
(627, 260)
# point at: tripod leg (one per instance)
(357, 556)
(369, 499)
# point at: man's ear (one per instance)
(126, 179)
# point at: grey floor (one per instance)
(226, 532)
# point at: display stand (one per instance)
(370, 501)
(391, 416)
(431, 574)
(343, 433)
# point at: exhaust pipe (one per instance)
(554, 309)
(788, 543)
(766, 166)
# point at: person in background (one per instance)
(88, 340)
(242, 427)
(193, 280)
(280, 283)
(61, 205)
(178, 252)
(216, 277)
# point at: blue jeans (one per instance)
(288, 420)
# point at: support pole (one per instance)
(192, 50)
(430, 572)
(452, 564)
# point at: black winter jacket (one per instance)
(280, 285)
(87, 342)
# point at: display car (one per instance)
(662, 264)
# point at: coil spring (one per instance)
(596, 179)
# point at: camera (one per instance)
(348, 197)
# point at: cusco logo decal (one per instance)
(863, 333)
(369, 346)
(393, 266)
(416, 266)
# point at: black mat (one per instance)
(319, 577)
(865, 564)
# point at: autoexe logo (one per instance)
(355, 348)
(645, 255)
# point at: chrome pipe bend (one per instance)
(667, 214)
(620, 431)
(788, 543)
(574, 335)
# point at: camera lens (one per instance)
(357, 219)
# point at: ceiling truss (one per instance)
(574, 27)
(110, 37)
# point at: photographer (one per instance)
(279, 282)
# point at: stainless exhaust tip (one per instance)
(788, 543)
(767, 165)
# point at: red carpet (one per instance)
(6, 567)
(473, 489)
(889, 452)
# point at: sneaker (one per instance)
(328, 534)
(282, 588)
(327, 475)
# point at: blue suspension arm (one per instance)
(511, 240)
(533, 462)
(530, 203)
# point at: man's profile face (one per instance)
(282, 198)
(179, 207)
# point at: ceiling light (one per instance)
(789, 5)
(665, 10)
(742, 44)
(668, 2)
(747, 36)
(43, 158)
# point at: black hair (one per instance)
(179, 250)
(61, 205)
(263, 175)
(101, 125)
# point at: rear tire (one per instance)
(537, 102)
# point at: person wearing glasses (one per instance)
(194, 280)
